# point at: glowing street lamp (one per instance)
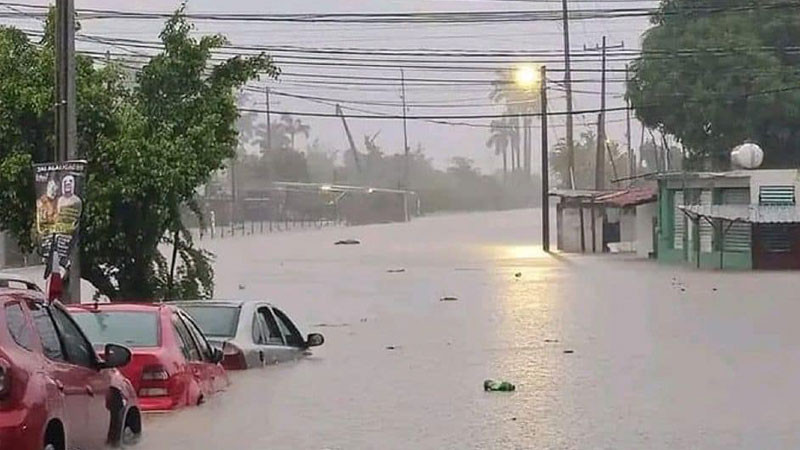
(526, 76)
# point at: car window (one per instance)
(78, 349)
(275, 337)
(260, 330)
(202, 343)
(185, 341)
(47, 333)
(219, 321)
(18, 326)
(129, 328)
(288, 329)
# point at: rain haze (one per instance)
(359, 224)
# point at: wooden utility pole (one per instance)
(407, 165)
(66, 122)
(269, 123)
(545, 165)
(568, 87)
(631, 156)
(600, 162)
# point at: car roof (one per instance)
(9, 278)
(228, 303)
(129, 307)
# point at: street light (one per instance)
(526, 76)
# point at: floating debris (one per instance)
(448, 299)
(569, 352)
(498, 386)
(518, 275)
(391, 347)
(331, 325)
(348, 242)
(241, 287)
(396, 271)
(551, 341)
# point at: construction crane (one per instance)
(353, 148)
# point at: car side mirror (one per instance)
(115, 356)
(217, 355)
(315, 340)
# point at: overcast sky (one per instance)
(441, 142)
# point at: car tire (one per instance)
(132, 429)
(50, 446)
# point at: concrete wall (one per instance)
(644, 229)
(569, 228)
(627, 225)
(778, 177)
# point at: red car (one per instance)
(55, 392)
(173, 365)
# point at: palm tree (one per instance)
(294, 127)
(518, 101)
(499, 140)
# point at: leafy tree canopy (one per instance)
(715, 79)
(149, 145)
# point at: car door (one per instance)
(194, 360)
(273, 343)
(94, 383)
(212, 372)
(290, 333)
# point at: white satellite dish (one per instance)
(747, 156)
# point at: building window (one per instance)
(776, 195)
(776, 238)
(679, 218)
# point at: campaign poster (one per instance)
(59, 206)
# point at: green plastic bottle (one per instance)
(498, 386)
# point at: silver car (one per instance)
(250, 333)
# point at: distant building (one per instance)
(743, 219)
(599, 221)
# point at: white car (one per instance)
(250, 333)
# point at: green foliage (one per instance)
(585, 152)
(714, 80)
(148, 146)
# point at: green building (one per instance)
(743, 219)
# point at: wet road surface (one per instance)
(663, 357)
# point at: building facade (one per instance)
(744, 219)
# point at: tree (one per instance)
(518, 101)
(585, 150)
(716, 79)
(294, 127)
(499, 140)
(149, 146)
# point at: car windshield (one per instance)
(215, 321)
(129, 328)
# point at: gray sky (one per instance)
(441, 142)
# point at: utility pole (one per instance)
(545, 166)
(66, 121)
(600, 163)
(568, 87)
(269, 123)
(631, 156)
(407, 163)
(405, 131)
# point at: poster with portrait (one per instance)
(59, 206)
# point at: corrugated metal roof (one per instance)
(746, 213)
(634, 196)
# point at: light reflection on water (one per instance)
(653, 366)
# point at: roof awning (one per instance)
(745, 213)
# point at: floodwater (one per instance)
(663, 357)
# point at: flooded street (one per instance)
(663, 357)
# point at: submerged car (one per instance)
(56, 393)
(250, 333)
(173, 365)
